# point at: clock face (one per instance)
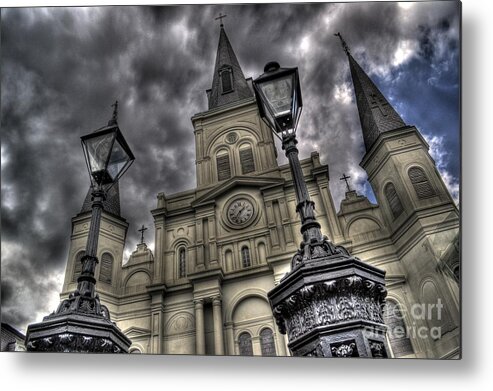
(240, 211)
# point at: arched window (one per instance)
(246, 159)
(106, 270)
(267, 343)
(245, 344)
(223, 165)
(245, 257)
(226, 76)
(397, 331)
(420, 182)
(78, 265)
(393, 200)
(182, 263)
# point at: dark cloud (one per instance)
(62, 68)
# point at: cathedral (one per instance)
(222, 246)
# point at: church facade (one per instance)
(222, 246)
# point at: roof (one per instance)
(375, 112)
(226, 61)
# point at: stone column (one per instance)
(199, 327)
(218, 326)
(281, 344)
(230, 338)
(256, 348)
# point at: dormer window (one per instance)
(226, 76)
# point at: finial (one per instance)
(113, 120)
(344, 44)
(220, 17)
(345, 178)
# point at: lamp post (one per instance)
(330, 303)
(81, 323)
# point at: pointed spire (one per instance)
(343, 43)
(111, 204)
(114, 118)
(376, 114)
(228, 82)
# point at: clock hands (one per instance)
(240, 212)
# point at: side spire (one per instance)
(376, 114)
(228, 82)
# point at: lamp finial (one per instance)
(114, 118)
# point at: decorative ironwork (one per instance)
(377, 349)
(79, 322)
(71, 342)
(114, 118)
(347, 349)
(330, 302)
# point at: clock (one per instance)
(240, 211)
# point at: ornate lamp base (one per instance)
(77, 326)
(332, 306)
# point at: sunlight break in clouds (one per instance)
(439, 155)
(404, 52)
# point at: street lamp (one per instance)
(81, 323)
(107, 156)
(330, 303)
(278, 95)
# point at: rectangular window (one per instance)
(106, 268)
(223, 167)
(246, 159)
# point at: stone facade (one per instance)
(221, 247)
(12, 340)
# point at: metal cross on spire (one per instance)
(220, 17)
(142, 233)
(345, 178)
(344, 44)
(114, 118)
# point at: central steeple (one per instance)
(228, 82)
(376, 114)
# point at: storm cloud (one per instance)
(62, 68)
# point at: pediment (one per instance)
(259, 182)
(135, 332)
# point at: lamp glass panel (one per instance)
(279, 94)
(98, 149)
(118, 160)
